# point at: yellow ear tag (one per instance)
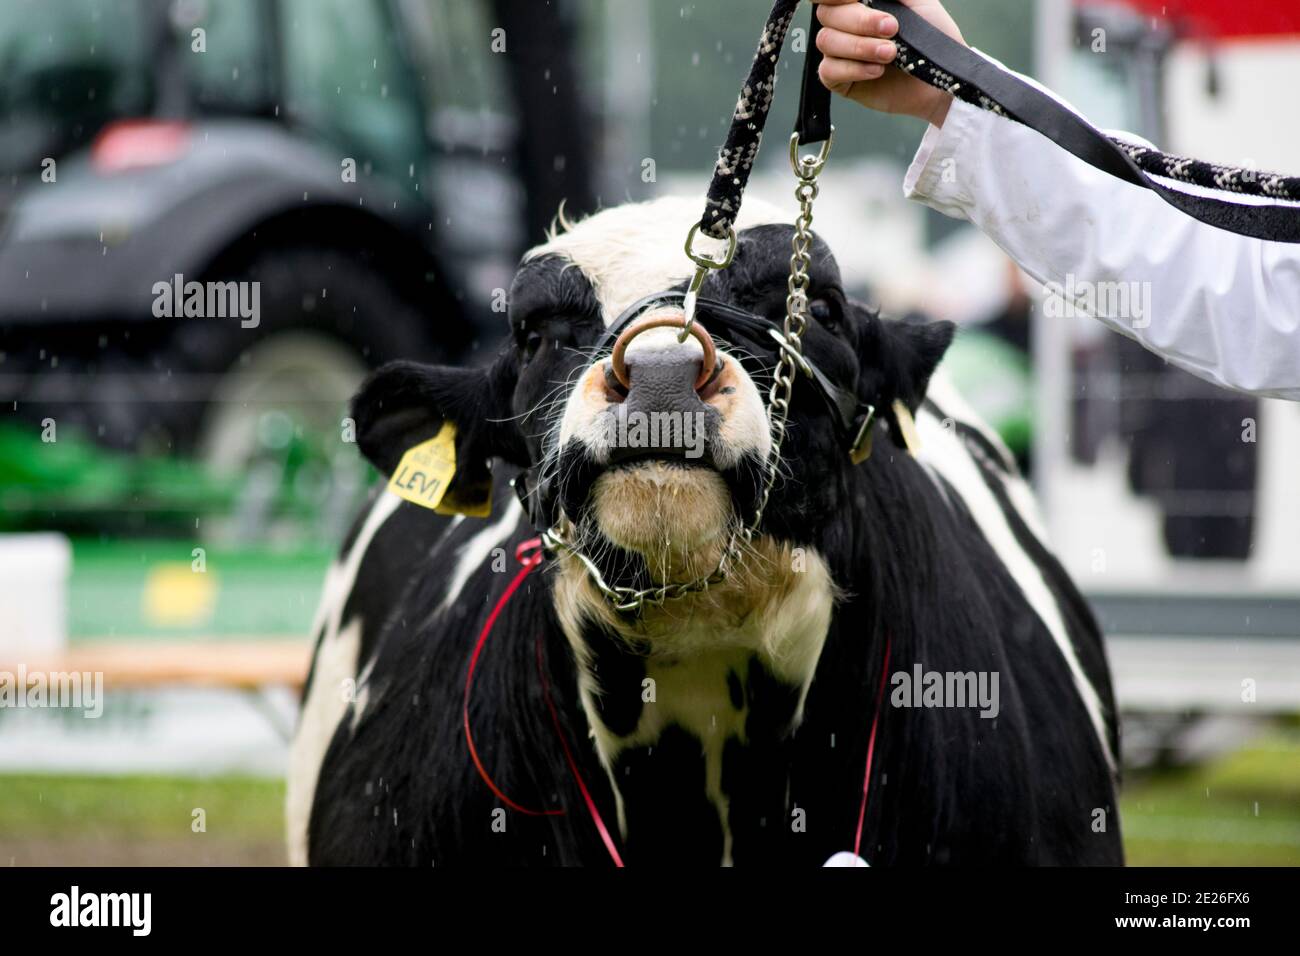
(907, 427)
(426, 470)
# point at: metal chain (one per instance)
(634, 600)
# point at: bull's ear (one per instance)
(405, 403)
(897, 359)
(917, 346)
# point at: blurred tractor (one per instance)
(369, 167)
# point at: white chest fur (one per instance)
(696, 671)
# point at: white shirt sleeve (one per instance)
(1222, 306)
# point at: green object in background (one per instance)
(996, 379)
(133, 590)
(129, 588)
(77, 480)
(299, 487)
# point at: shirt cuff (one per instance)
(934, 174)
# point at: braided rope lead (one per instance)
(736, 158)
(1194, 172)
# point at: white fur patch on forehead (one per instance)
(633, 250)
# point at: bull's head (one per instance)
(649, 450)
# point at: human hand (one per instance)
(855, 41)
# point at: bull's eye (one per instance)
(534, 334)
(532, 342)
(826, 314)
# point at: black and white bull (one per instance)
(731, 725)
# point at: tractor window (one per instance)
(227, 61)
(69, 66)
(347, 78)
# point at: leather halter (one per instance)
(852, 418)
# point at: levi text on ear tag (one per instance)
(426, 470)
(906, 427)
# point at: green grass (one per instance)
(1241, 810)
(141, 806)
(95, 820)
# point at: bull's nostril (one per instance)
(618, 361)
(613, 386)
(714, 384)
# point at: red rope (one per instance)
(530, 562)
(573, 765)
(871, 750)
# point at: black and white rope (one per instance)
(737, 156)
(1193, 172)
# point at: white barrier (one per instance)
(34, 571)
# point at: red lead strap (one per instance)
(573, 765)
(530, 561)
(871, 751)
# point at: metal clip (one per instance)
(703, 266)
(809, 167)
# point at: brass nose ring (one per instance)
(618, 361)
